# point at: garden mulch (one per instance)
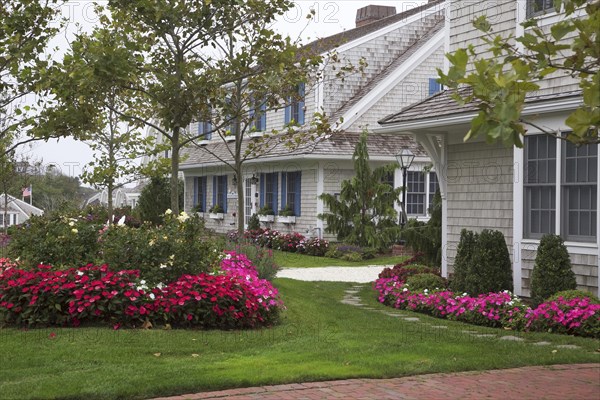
(574, 382)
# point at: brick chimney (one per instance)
(369, 14)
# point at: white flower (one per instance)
(142, 282)
(151, 295)
(405, 290)
(74, 230)
(121, 221)
(71, 223)
(168, 212)
(183, 217)
(163, 266)
(79, 273)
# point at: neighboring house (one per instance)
(402, 52)
(17, 211)
(549, 186)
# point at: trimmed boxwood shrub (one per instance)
(552, 270)
(463, 261)
(482, 263)
(425, 281)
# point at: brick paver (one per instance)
(560, 382)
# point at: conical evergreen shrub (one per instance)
(552, 272)
(491, 269)
(463, 260)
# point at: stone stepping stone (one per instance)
(411, 319)
(485, 335)
(542, 344)
(568, 346)
(512, 338)
(439, 326)
(470, 332)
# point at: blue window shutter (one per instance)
(252, 111)
(203, 198)
(262, 190)
(195, 202)
(434, 86)
(224, 188)
(298, 188)
(301, 104)
(214, 190)
(275, 178)
(283, 190)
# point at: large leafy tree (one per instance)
(166, 58)
(502, 83)
(26, 26)
(364, 213)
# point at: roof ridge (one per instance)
(329, 42)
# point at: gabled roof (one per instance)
(334, 146)
(442, 105)
(20, 206)
(331, 42)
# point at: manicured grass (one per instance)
(294, 260)
(318, 339)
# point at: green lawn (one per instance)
(294, 260)
(319, 339)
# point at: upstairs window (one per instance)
(539, 7)
(205, 130)
(258, 115)
(295, 110)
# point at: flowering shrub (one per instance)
(45, 296)
(577, 316)
(260, 257)
(291, 242)
(235, 298)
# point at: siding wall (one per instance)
(480, 191)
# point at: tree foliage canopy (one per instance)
(502, 83)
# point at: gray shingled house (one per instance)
(403, 51)
(549, 186)
(16, 211)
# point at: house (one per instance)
(402, 51)
(14, 211)
(549, 186)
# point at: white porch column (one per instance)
(517, 220)
(320, 190)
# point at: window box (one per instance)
(217, 216)
(266, 218)
(287, 220)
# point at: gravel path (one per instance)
(333, 274)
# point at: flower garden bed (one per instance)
(578, 316)
(234, 297)
(291, 242)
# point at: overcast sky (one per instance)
(331, 17)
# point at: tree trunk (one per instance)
(175, 171)
(241, 198)
(109, 190)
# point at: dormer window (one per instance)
(258, 115)
(294, 112)
(205, 130)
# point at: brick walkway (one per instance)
(560, 382)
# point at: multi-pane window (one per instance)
(259, 116)
(268, 190)
(220, 191)
(539, 7)
(205, 130)
(295, 110)
(578, 185)
(415, 195)
(540, 185)
(580, 191)
(11, 219)
(291, 191)
(200, 193)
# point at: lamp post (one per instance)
(405, 159)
